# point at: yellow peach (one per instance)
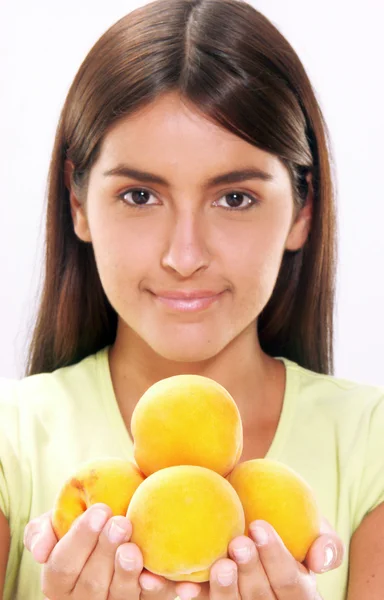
(273, 492)
(183, 518)
(111, 481)
(187, 420)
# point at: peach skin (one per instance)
(187, 420)
(183, 519)
(110, 481)
(272, 492)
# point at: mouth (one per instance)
(193, 301)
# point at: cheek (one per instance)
(123, 255)
(256, 257)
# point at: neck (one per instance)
(255, 380)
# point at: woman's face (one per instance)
(187, 262)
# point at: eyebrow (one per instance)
(236, 176)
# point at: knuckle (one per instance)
(120, 590)
(92, 588)
(60, 568)
(261, 592)
(288, 583)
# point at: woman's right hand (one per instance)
(94, 560)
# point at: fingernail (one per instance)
(117, 530)
(329, 555)
(37, 549)
(188, 591)
(226, 577)
(34, 541)
(97, 519)
(260, 536)
(127, 559)
(186, 595)
(242, 555)
(148, 584)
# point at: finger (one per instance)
(252, 579)
(325, 554)
(127, 567)
(33, 528)
(72, 551)
(223, 580)
(186, 590)
(155, 587)
(97, 574)
(288, 579)
(39, 537)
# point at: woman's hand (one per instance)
(263, 567)
(94, 560)
(270, 567)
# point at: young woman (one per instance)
(190, 229)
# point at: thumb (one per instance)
(39, 537)
(325, 554)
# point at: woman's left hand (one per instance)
(264, 568)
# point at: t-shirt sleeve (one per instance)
(371, 488)
(10, 471)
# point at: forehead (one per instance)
(168, 133)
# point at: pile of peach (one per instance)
(187, 495)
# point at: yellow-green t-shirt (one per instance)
(330, 431)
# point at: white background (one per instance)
(340, 43)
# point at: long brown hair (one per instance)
(235, 66)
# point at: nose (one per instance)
(186, 249)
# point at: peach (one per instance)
(273, 492)
(183, 518)
(187, 420)
(111, 481)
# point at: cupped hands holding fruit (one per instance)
(187, 518)
(86, 565)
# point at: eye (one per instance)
(137, 197)
(237, 201)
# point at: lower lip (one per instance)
(192, 305)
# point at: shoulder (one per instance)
(339, 413)
(334, 395)
(342, 421)
(39, 414)
(49, 391)
(35, 408)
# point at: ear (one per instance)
(301, 226)
(78, 212)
